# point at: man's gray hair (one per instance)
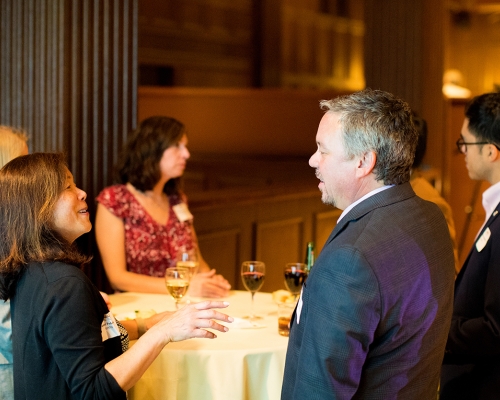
(374, 120)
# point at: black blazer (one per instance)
(376, 306)
(471, 367)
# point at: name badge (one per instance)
(109, 328)
(182, 212)
(481, 242)
(299, 307)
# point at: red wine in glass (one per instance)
(252, 280)
(295, 276)
(252, 275)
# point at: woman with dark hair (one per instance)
(143, 222)
(66, 343)
(13, 143)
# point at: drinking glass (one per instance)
(177, 282)
(188, 259)
(285, 311)
(253, 274)
(295, 276)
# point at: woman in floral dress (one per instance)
(143, 222)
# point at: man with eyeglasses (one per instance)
(471, 367)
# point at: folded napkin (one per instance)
(133, 314)
(240, 323)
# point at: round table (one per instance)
(243, 363)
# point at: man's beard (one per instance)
(325, 198)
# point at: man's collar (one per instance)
(369, 194)
(383, 198)
(491, 197)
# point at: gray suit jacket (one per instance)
(376, 306)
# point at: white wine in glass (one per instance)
(253, 274)
(177, 282)
(188, 260)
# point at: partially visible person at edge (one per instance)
(13, 143)
(471, 366)
(66, 343)
(143, 222)
(425, 190)
(373, 315)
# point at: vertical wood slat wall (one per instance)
(404, 54)
(321, 50)
(393, 48)
(68, 76)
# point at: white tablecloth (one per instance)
(244, 364)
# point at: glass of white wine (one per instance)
(188, 260)
(177, 282)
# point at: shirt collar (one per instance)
(491, 198)
(369, 194)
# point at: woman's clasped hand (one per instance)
(209, 284)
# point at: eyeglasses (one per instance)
(462, 145)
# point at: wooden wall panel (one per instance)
(433, 58)
(204, 42)
(320, 50)
(323, 226)
(241, 121)
(272, 225)
(68, 76)
(220, 249)
(474, 48)
(393, 48)
(404, 54)
(278, 242)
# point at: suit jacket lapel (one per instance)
(488, 223)
(392, 195)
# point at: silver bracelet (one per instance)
(141, 326)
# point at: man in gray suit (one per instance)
(374, 313)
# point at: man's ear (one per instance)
(366, 164)
(494, 153)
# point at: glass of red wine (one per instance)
(295, 276)
(253, 274)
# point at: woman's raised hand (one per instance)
(193, 320)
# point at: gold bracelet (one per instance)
(141, 326)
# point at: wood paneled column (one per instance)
(68, 76)
(404, 55)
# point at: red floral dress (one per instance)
(149, 246)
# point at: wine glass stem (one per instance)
(252, 314)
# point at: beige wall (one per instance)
(240, 121)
